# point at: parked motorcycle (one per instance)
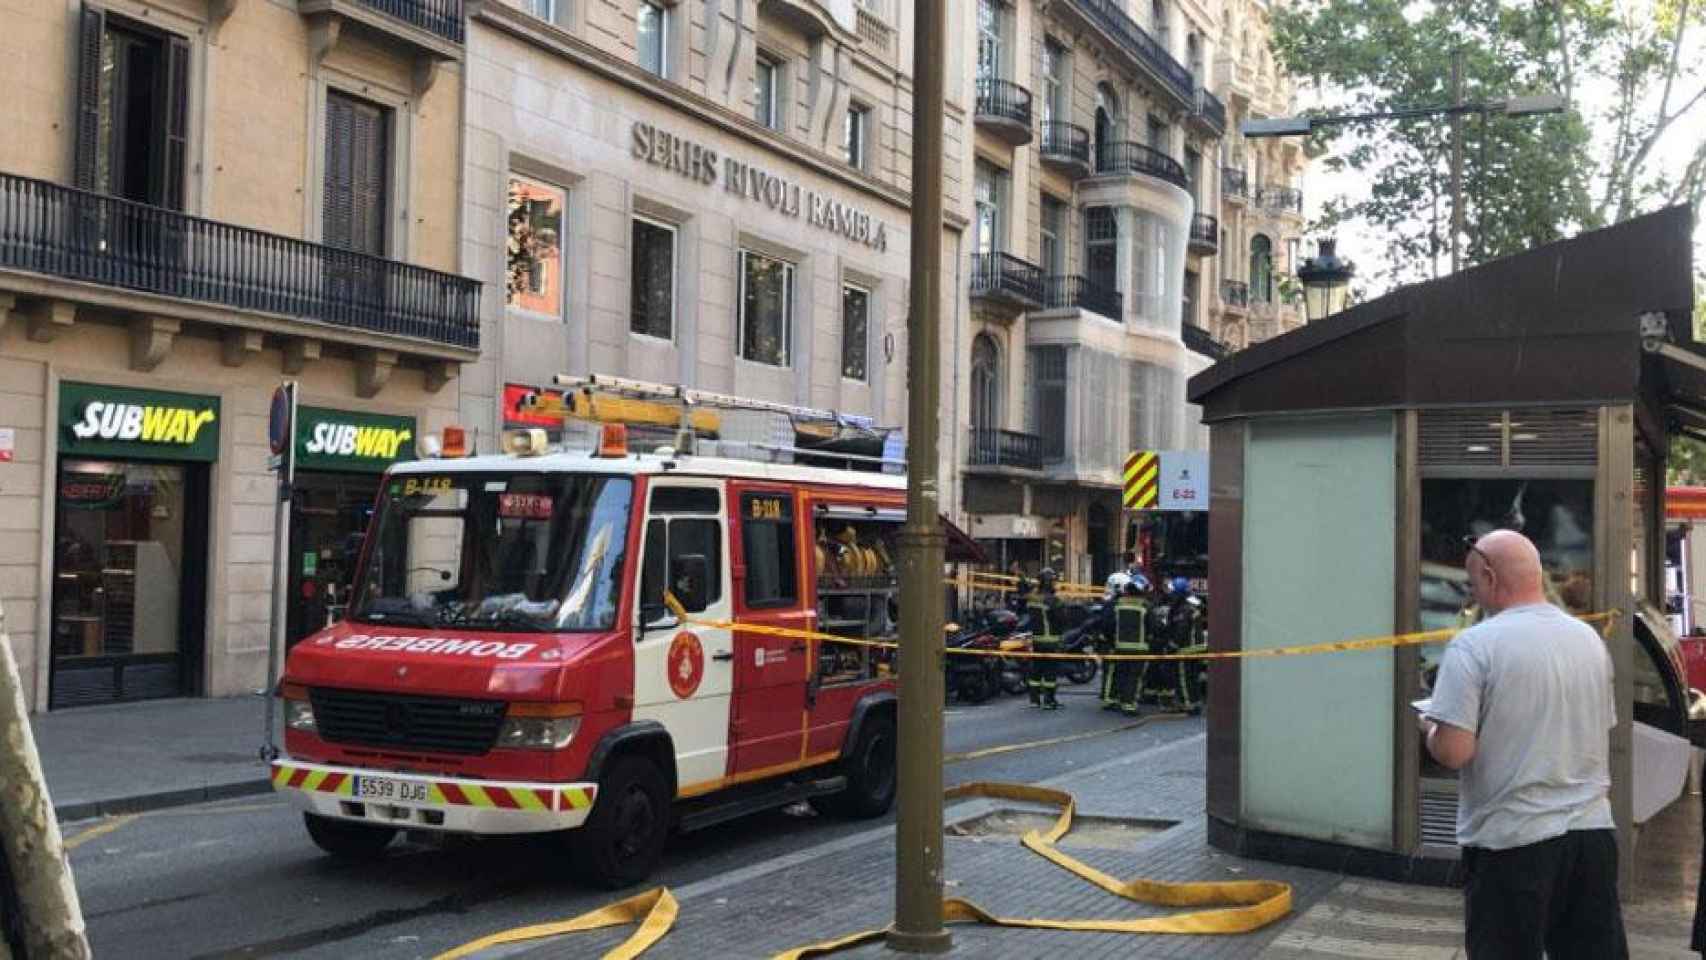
(974, 679)
(1094, 635)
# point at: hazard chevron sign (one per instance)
(1141, 486)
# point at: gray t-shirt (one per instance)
(1534, 685)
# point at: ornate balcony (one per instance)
(1235, 295)
(1234, 184)
(1133, 41)
(1066, 146)
(1004, 448)
(1075, 292)
(1201, 341)
(1004, 109)
(1282, 199)
(1124, 157)
(1208, 113)
(75, 235)
(1205, 234)
(1006, 282)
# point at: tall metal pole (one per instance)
(1456, 153)
(918, 821)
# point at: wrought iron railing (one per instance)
(1004, 448)
(1282, 198)
(1211, 110)
(1234, 182)
(1004, 275)
(1124, 156)
(1003, 100)
(1205, 231)
(1080, 292)
(443, 17)
(1124, 31)
(50, 229)
(1067, 142)
(1203, 342)
(1235, 293)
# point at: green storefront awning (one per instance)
(354, 442)
(103, 421)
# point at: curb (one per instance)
(142, 803)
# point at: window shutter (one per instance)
(91, 29)
(177, 121)
(337, 217)
(369, 179)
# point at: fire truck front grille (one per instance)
(440, 724)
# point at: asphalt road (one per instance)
(241, 879)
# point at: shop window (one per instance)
(767, 541)
(132, 111)
(766, 91)
(766, 308)
(534, 269)
(856, 138)
(652, 279)
(651, 38)
(855, 331)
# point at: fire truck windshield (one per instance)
(497, 551)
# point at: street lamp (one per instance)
(1520, 106)
(1326, 281)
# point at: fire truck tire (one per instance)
(870, 772)
(621, 841)
(346, 840)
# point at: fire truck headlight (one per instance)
(538, 733)
(299, 715)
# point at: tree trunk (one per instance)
(52, 919)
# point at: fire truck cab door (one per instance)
(683, 673)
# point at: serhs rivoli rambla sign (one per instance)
(703, 165)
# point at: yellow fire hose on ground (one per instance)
(1233, 906)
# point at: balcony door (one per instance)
(986, 405)
(355, 204)
(1107, 119)
(132, 111)
(991, 39)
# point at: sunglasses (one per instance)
(1469, 545)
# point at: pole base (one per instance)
(940, 941)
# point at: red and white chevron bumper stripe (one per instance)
(433, 803)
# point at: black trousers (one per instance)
(1558, 896)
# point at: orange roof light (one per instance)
(613, 441)
(455, 443)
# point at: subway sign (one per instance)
(106, 421)
(343, 440)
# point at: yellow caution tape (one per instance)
(1332, 646)
(654, 910)
(1241, 906)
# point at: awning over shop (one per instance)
(961, 547)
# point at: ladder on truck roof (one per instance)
(814, 436)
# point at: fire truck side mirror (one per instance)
(690, 580)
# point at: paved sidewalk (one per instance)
(847, 886)
(130, 757)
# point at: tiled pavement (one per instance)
(847, 886)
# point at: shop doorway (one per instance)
(129, 581)
(328, 517)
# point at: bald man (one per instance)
(1523, 710)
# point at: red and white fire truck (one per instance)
(509, 664)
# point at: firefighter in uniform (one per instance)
(1040, 678)
(1122, 681)
(1174, 631)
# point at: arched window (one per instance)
(1261, 269)
(1107, 115)
(986, 403)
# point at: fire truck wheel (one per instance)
(349, 841)
(870, 773)
(623, 838)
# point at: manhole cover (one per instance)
(1097, 833)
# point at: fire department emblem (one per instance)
(686, 664)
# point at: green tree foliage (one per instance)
(1528, 180)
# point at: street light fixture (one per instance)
(1326, 281)
(1520, 106)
